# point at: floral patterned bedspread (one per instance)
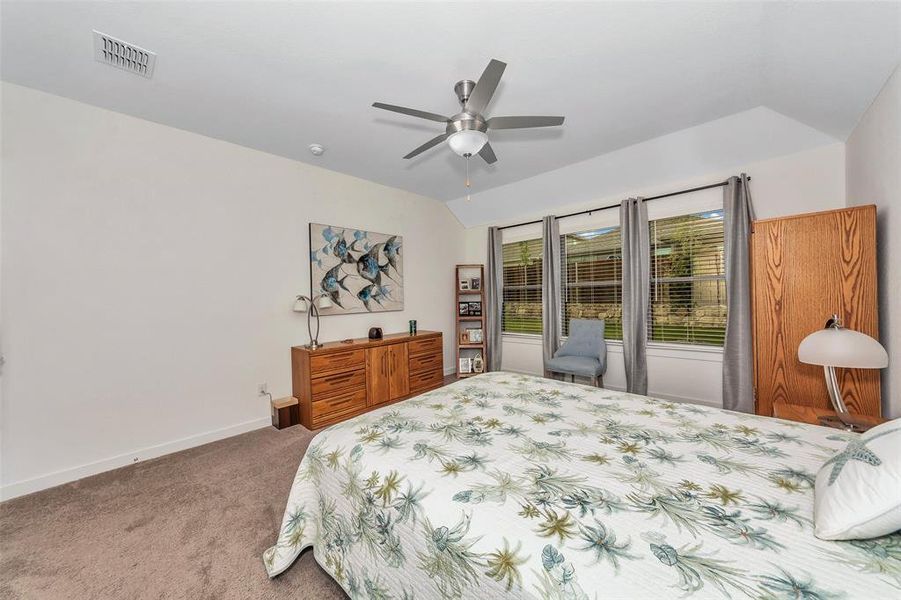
(510, 486)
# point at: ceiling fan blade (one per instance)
(432, 142)
(485, 86)
(487, 153)
(523, 122)
(411, 111)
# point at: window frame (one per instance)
(661, 348)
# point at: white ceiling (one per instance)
(279, 76)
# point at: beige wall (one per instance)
(148, 278)
(873, 159)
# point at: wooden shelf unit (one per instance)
(469, 321)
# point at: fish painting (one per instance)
(359, 244)
(359, 270)
(392, 251)
(331, 284)
(368, 265)
(372, 292)
(328, 234)
(341, 250)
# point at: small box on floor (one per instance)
(285, 412)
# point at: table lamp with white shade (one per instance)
(835, 346)
(311, 306)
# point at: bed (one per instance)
(511, 486)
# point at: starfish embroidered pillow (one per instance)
(858, 491)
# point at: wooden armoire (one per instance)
(804, 268)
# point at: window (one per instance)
(688, 281)
(522, 287)
(592, 279)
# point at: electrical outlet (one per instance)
(263, 389)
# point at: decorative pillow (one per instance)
(858, 491)
(586, 337)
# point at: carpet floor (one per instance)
(188, 525)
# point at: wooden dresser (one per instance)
(341, 380)
(804, 268)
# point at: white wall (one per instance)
(717, 146)
(873, 159)
(148, 278)
(806, 181)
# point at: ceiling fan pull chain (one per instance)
(468, 156)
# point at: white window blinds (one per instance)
(592, 275)
(522, 287)
(688, 282)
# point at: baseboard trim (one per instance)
(42, 482)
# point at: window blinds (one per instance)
(688, 282)
(522, 287)
(592, 279)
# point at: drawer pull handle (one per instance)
(340, 378)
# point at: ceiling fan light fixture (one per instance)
(468, 141)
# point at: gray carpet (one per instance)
(188, 525)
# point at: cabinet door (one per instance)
(378, 384)
(399, 373)
(805, 268)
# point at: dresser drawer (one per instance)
(339, 403)
(425, 380)
(336, 361)
(426, 362)
(327, 385)
(424, 346)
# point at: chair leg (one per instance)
(600, 381)
(572, 378)
(594, 380)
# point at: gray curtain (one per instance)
(494, 298)
(633, 219)
(738, 361)
(550, 288)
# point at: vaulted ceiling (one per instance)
(280, 76)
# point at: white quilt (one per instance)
(509, 486)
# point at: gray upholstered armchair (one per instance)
(584, 353)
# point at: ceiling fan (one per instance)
(467, 131)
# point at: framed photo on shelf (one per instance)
(475, 309)
(475, 336)
(464, 337)
(475, 283)
(478, 364)
(463, 308)
(464, 284)
(465, 365)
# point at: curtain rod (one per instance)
(591, 210)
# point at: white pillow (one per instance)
(858, 491)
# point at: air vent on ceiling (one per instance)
(123, 55)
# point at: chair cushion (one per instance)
(575, 365)
(586, 338)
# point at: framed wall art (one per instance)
(360, 271)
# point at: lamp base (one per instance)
(847, 423)
(312, 346)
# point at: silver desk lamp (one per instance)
(835, 346)
(311, 306)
